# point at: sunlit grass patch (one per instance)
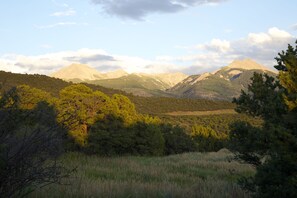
(184, 175)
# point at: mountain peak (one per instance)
(247, 64)
(77, 71)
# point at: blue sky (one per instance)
(190, 36)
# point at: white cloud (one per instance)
(258, 38)
(216, 45)
(97, 58)
(262, 47)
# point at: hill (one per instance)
(223, 84)
(153, 105)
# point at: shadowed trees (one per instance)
(30, 143)
(272, 147)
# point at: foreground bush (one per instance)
(30, 143)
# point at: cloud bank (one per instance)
(48, 63)
(138, 9)
(262, 47)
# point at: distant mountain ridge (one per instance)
(222, 84)
(137, 83)
(82, 72)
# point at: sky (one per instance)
(151, 36)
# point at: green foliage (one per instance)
(30, 143)
(264, 98)
(125, 109)
(219, 123)
(79, 107)
(148, 139)
(25, 97)
(272, 148)
(207, 139)
(112, 137)
(176, 140)
(45, 83)
(287, 66)
(247, 140)
(160, 105)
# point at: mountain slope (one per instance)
(115, 74)
(78, 72)
(143, 84)
(46, 83)
(170, 79)
(223, 84)
(136, 84)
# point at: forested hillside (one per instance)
(152, 105)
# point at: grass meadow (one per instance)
(201, 113)
(185, 175)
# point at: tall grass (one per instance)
(185, 175)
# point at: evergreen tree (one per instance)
(79, 107)
(272, 147)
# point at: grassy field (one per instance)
(202, 113)
(185, 175)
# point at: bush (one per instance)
(110, 136)
(176, 140)
(30, 143)
(148, 139)
(207, 139)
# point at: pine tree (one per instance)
(272, 147)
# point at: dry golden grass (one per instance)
(186, 175)
(201, 113)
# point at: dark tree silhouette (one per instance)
(272, 147)
(30, 143)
